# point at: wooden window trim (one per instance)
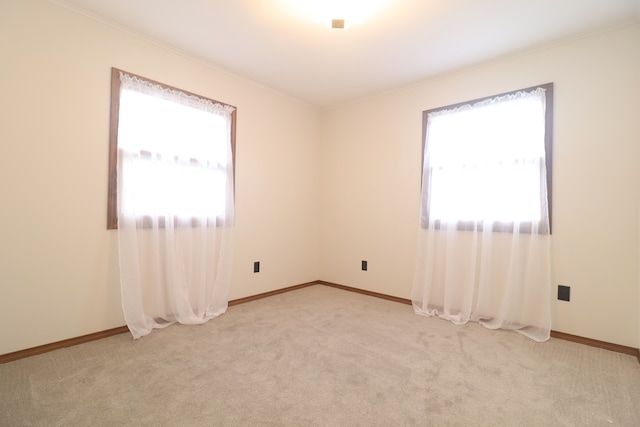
(112, 191)
(548, 147)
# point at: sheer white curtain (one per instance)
(175, 206)
(484, 245)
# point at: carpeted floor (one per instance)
(327, 357)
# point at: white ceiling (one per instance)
(277, 44)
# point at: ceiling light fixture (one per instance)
(333, 13)
(339, 13)
(337, 23)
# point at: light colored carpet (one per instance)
(327, 357)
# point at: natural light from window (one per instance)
(179, 169)
(484, 161)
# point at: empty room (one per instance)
(288, 212)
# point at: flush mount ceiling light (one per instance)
(342, 13)
(337, 23)
(338, 13)
(333, 13)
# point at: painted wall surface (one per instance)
(58, 263)
(316, 192)
(371, 163)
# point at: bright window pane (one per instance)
(485, 161)
(176, 156)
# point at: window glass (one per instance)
(489, 161)
(175, 150)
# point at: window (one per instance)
(488, 162)
(176, 150)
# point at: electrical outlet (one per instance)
(256, 267)
(564, 293)
(364, 265)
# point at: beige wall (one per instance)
(316, 192)
(58, 263)
(371, 178)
